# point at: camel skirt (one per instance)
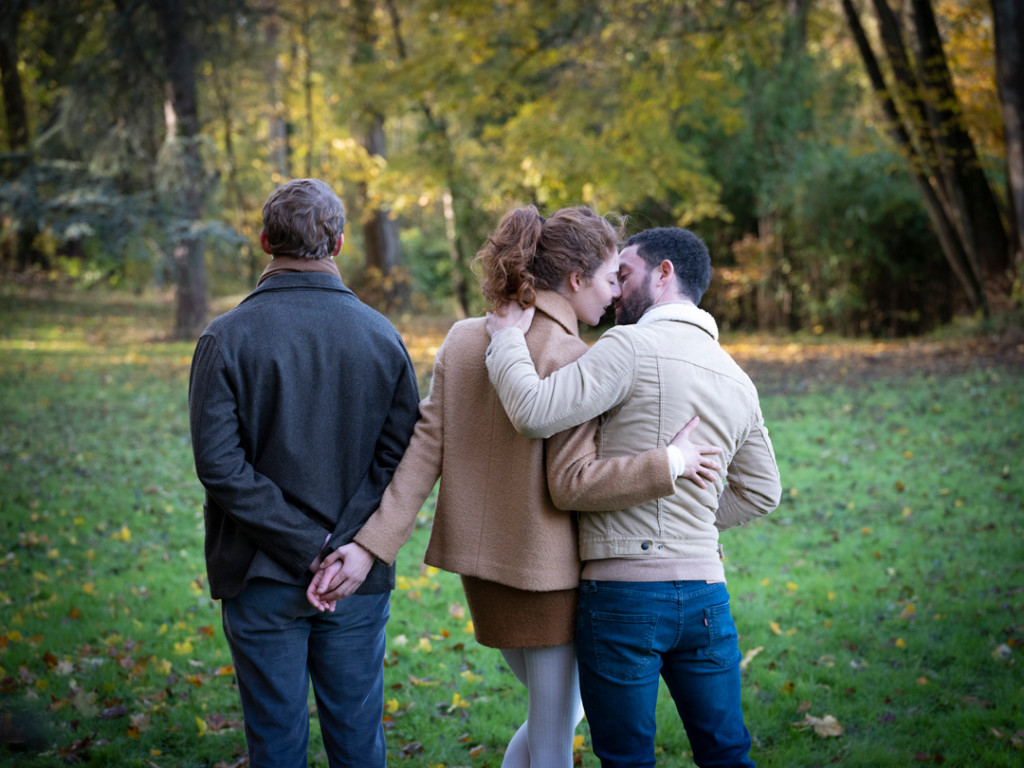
(505, 617)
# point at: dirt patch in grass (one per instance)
(778, 365)
(785, 366)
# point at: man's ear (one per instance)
(666, 272)
(265, 242)
(337, 245)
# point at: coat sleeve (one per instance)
(754, 487)
(392, 444)
(254, 501)
(597, 382)
(579, 480)
(391, 525)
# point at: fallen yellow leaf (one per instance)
(749, 656)
(183, 648)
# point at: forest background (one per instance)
(855, 166)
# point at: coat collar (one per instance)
(301, 280)
(682, 312)
(282, 264)
(558, 308)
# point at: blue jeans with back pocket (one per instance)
(630, 633)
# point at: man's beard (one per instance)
(632, 307)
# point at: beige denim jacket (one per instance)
(648, 379)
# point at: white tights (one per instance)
(552, 682)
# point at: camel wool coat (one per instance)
(495, 518)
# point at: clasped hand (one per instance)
(340, 574)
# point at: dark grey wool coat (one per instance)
(301, 401)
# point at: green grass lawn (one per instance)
(880, 608)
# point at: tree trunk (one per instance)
(17, 133)
(380, 230)
(235, 195)
(15, 115)
(983, 230)
(308, 88)
(939, 151)
(182, 115)
(1008, 20)
(451, 229)
(451, 197)
(276, 122)
(796, 29)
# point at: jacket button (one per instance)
(645, 546)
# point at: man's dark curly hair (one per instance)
(686, 251)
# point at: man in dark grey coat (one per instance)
(301, 400)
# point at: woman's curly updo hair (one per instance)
(527, 252)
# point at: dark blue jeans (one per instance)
(629, 633)
(279, 642)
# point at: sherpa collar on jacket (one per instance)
(682, 312)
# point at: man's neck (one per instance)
(677, 299)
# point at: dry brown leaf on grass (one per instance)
(215, 721)
(826, 727)
(412, 748)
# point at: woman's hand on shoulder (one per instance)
(509, 315)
